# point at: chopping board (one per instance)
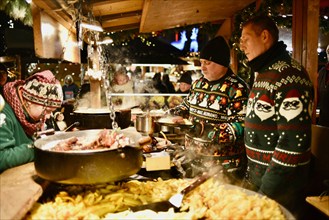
(321, 203)
(19, 191)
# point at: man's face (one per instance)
(212, 71)
(38, 112)
(251, 43)
(183, 86)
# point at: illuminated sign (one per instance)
(192, 40)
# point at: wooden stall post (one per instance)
(305, 34)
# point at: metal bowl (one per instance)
(86, 167)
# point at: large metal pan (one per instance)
(86, 167)
(287, 214)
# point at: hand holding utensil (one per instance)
(176, 200)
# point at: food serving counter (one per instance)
(22, 189)
(86, 201)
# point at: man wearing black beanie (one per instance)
(217, 51)
(216, 106)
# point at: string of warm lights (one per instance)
(20, 10)
(281, 10)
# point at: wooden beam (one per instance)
(116, 7)
(119, 15)
(58, 14)
(120, 22)
(258, 4)
(298, 29)
(305, 34)
(313, 8)
(51, 39)
(146, 8)
(122, 27)
(37, 34)
(225, 30)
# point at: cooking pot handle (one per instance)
(75, 124)
(40, 134)
(202, 128)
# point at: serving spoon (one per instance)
(176, 200)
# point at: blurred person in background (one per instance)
(28, 103)
(169, 85)
(216, 106)
(122, 84)
(157, 102)
(279, 117)
(70, 90)
(323, 93)
(184, 83)
(158, 83)
(3, 76)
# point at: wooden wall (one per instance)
(305, 34)
(52, 40)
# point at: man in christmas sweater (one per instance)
(216, 106)
(278, 120)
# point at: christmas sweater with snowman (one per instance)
(219, 107)
(278, 123)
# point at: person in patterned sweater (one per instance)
(278, 120)
(216, 106)
(27, 104)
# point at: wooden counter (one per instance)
(321, 203)
(19, 190)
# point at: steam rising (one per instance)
(190, 163)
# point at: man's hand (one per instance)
(178, 120)
(197, 130)
(171, 111)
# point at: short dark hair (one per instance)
(263, 22)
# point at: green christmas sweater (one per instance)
(278, 123)
(15, 146)
(219, 107)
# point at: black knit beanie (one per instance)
(216, 50)
(186, 78)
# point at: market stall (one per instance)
(83, 181)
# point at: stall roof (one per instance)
(136, 51)
(146, 15)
